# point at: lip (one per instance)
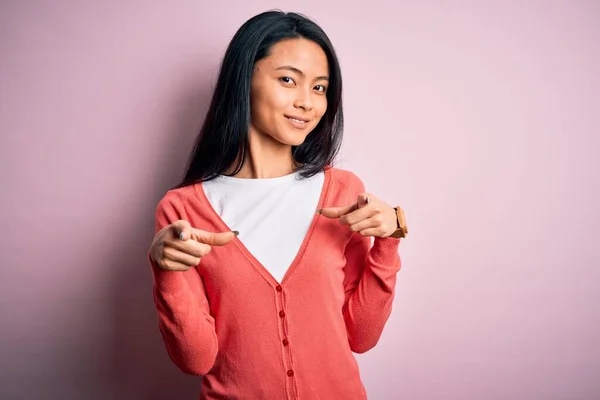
(296, 117)
(296, 121)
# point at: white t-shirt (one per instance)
(273, 215)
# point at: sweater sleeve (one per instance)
(184, 320)
(369, 284)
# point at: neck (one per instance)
(266, 158)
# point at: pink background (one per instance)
(480, 118)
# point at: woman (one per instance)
(274, 309)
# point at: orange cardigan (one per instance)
(252, 338)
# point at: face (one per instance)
(288, 91)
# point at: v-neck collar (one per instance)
(222, 226)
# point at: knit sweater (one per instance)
(252, 338)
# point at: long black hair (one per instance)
(222, 140)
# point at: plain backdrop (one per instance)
(480, 118)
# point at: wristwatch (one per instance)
(402, 229)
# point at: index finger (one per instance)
(212, 238)
(336, 212)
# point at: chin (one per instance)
(293, 139)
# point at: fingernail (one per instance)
(236, 233)
(180, 235)
(319, 211)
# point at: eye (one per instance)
(321, 88)
(286, 79)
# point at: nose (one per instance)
(303, 100)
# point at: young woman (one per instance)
(274, 309)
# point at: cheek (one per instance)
(320, 106)
(267, 103)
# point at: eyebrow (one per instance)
(296, 70)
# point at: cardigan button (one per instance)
(279, 288)
(282, 313)
(285, 342)
(290, 373)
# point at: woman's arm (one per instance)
(184, 320)
(369, 284)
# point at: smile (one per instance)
(297, 122)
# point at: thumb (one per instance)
(362, 200)
(182, 229)
(214, 239)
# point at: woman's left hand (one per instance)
(369, 216)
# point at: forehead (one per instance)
(303, 54)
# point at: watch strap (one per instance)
(402, 228)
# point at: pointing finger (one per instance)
(214, 239)
(336, 212)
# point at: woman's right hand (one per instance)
(179, 247)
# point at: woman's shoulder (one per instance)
(347, 178)
(179, 197)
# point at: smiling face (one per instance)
(288, 91)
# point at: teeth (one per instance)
(298, 120)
